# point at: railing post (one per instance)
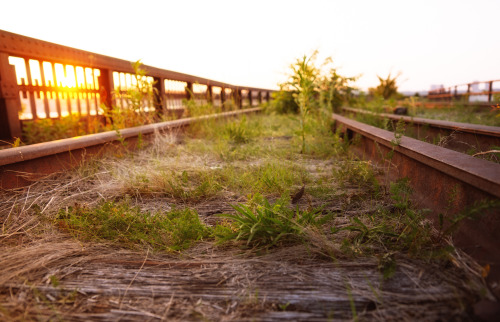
(10, 103)
(222, 97)
(468, 93)
(189, 91)
(159, 95)
(106, 88)
(210, 97)
(490, 92)
(260, 97)
(268, 97)
(250, 98)
(238, 98)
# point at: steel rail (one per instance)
(445, 181)
(464, 135)
(22, 166)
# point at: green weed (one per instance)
(121, 224)
(473, 212)
(238, 131)
(358, 173)
(459, 112)
(43, 130)
(303, 80)
(262, 224)
(386, 231)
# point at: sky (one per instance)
(253, 43)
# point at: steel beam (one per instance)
(445, 181)
(10, 103)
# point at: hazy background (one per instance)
(252, 43)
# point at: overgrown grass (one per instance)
(258, 159)
(123, 225)
(461, 113)
(262, 224)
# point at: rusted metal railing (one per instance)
(444, 181)
(468, 90)
(41, 80)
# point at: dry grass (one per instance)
(45, 274)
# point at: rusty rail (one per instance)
(445, 181)
(22, 166)
(452, 93)
(51, 81)
(464, 135)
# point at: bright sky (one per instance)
(252, 43)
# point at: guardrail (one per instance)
(39, 79)
(473, 89)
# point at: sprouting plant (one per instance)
(472, 212)
(263, 224)
(136, 103)
(14, 144)
(303, 80)
(335, 90)
(367, 233)
(238, 131)
(398, 133)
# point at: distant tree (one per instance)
(387, 87)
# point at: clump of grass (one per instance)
(262, 224)
(122, 224)
(43, 130)
(459, 112)
(238, 131)
(356, 173)
(401, 228)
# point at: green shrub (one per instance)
(283, 102)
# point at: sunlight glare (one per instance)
(20, 68)
(47, 74)
(36, 76)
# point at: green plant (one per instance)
(136, 102)
(387, 88)
(303, 80)
(43, 130)
(335, 90)
(384, 232)
(262, 224)
(399, 131)
(119, 223)
(238, 131)
(284, 102)
(358, 173)
(473, 212)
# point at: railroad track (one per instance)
(444, 181)
(22, 166)
(460, 137)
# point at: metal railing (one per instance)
(466, 91)
(39, 79)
